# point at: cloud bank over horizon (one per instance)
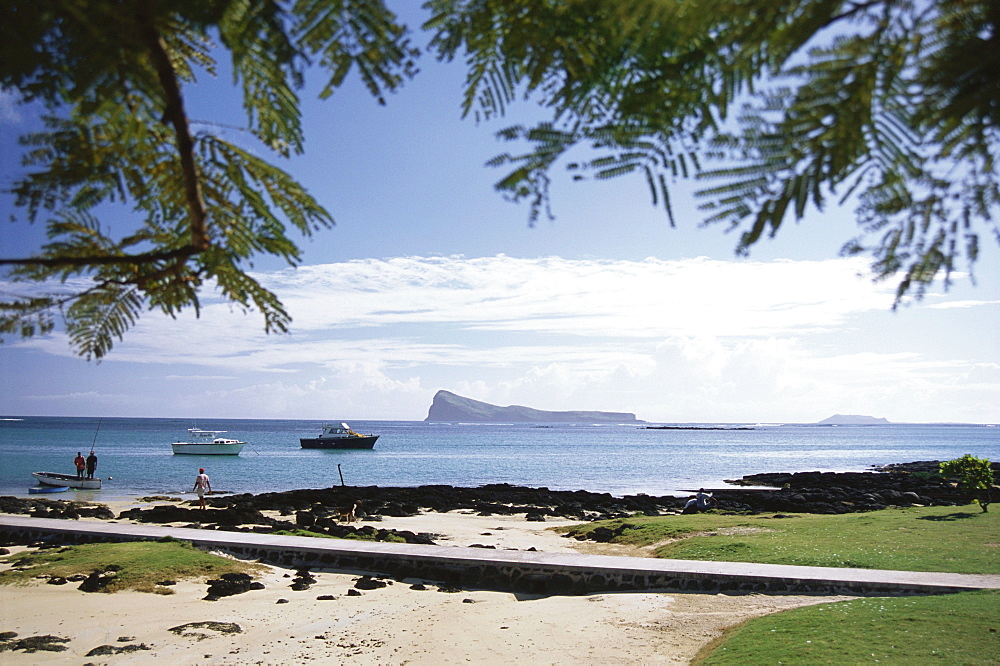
(672, 340)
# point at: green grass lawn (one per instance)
(141, 564)
(956, 539)
(945, 629)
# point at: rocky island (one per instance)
(449, 407)
(853, 419)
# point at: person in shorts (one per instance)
(202, 485)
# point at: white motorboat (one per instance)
(66, 480)
(209, 443)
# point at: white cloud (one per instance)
(687, 340)
(954, 305)
(448, 310)
(575, 297)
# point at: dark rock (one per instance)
(98, 581)
(221, 627)
(107, 650)
(369, 583)
(303, 580)
(814, 492)
(305, 519)
(57, 580)
(281, 601)
(229, 584)
(353, 593)
(49, 508)
(800, 492)
(326, 597)
(47, 643)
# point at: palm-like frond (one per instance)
(360, 35)
(888, 104)
(100, 315)
(881, 101)
(265, 63)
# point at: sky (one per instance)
(430, 280)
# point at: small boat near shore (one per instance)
(55, 479)
(47, 489)
(208, 443)
(338, 437)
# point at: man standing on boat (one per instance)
(91, 465)
(81, 464)
(201, 486)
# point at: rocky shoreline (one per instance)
(318, 510)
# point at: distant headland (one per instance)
(449, 407)
(853, 419)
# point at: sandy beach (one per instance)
(396, 624)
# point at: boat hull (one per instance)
(69, 480)
(363, 442)
(207, 449)
(48, 489)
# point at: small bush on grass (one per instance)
(974, 475)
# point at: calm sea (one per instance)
(135, 457)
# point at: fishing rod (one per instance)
(93, 443)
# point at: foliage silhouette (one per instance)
(778, 106)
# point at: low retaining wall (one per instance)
(520, 571)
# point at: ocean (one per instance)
(135, 458)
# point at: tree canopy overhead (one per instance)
(775, 105)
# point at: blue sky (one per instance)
(430, 280)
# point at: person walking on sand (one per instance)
(202, 485)
(91, 465)
(81, 464)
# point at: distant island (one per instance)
(449, 407)
(853, 419)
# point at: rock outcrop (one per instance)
(449, 407)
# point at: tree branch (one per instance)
(174, 114)
(104, 260)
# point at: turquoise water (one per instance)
(618, 459)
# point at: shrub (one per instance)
(974, 475)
